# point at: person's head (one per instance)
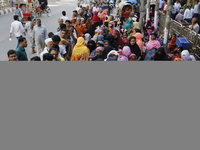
(29, 18)
(16, 6)
(99, 50)
(82, 20)
(100, 44)
(15, 17)
(50, 34)
(56, 39)
(138, 31)
(64, 13)
(67, 22)
(78, 21)
(151, 29)
(75, 12)
(22, 42)
(132, 40)
(194, 20)
(132, 57)
(35, 58)
(159, 55)
(173, 36)
(153, 36)
(54, 51)
(12, 56)
(106, 43)
(48, 43)
(62, 26)
(135, 9)
(47, 57)
(60, 21)
(63, 33)
(125, 35)
(39, 23)
(91, 45)
(114, 54)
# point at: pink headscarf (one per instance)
(153, 44)
(125, 53)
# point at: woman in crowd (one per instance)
(81, 48)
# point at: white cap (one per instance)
(48, 40)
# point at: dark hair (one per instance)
(48, 56)
(138, 31)
(21, 39)
(29, 18)
(62, 26)
(132, 37)
(63, 13)
(66, 31)
(75, 11)
(15, 17)
(68, 21)
(50, 34)
(56, 38)
(53, 49)
(10, 52)
(35, 58)
(56, 46)
(39, 20)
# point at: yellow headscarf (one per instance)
(80, 48)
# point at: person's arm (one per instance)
(34, 34)
(11, 30)
(22, 29)
(18, 55)
(45, 32)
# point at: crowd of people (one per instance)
(94, 34)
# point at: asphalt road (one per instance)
(56, 6)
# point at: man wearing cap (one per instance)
(48, 45)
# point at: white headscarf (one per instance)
(113, 52)
(185, 55)
(87, 38)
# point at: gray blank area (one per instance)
(98, 106)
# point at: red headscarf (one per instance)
(95, 17)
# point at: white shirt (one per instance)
(191, 13)
(28, 28)
(44, 52)
(62, 51)
(195, 28)
(95, 9)
(64, 18)
(178, 5)
(16, 28)
(187, 14)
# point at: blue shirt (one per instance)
(161, 4)
(196, 9)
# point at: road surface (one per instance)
(57, 6)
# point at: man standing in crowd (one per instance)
(29, 28)
(18, 12)
(48, 45)
(177, 5)
(39, 36)
(21, 53)
(16, 28)
(64, 17)
(194, 26)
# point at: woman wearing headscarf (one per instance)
(132, 57)
(139, 38)
(100, 38)
(95, 52)
(185, 55)
(107, 50)
(112, 41)
(125, 53)
(161, 55)
(114, 54)
(134, 47)
(91, 45)
(87, 38)
(152, 47)
(81, 49)
(117, 37)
